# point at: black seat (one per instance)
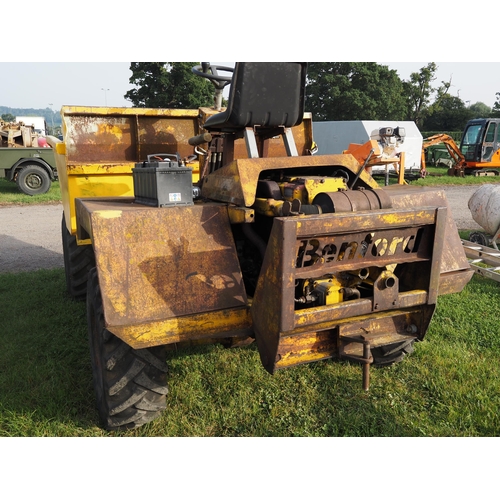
(265, 100)
(267, 95)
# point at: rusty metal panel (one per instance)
(102, 145)
(316, 246)
(165, 135)
(375, 246)
(113, 136)
(454, 282)
(306, 348)
(384, 328)
(326, 316)
(237, 182)
(227, 323)
(158, 264)
(343, 339)
(404, 197)
(99, 139)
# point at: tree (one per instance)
(419, 90)
(495, 112)
(354, 91)
(447, 114)
(168, 85)
(479, 110)
(8, 117)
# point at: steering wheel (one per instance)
(219, 81)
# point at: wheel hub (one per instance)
(34, 181)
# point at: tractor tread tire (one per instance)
(125, 405)
(78, 260)
(116, 355)
(149, 356)
(126, 420)
(393, 353)
(148, 404)
(130, 384)
(143, 380)
(134, 369)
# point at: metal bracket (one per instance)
(366, 360)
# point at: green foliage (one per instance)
(49, 115)
(168, 85)
(368, 91)
(354, 91)
(495, 112)
(448, 113)
(418, 91)
(8, 117)
(479, 110)
(438, 176)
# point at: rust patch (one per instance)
(161, 263)
(184, 280)
(116, 139)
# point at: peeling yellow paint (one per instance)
(108, 214)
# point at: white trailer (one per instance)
(334, 137)
(38, 122)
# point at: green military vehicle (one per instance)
(33, 169)
(26, 159)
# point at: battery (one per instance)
(162, 184)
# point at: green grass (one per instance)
(438, 176)
(10, 194)
(450, 385)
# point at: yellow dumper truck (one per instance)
(193, 226)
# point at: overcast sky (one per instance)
(53, 84)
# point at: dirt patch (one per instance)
(30, 235)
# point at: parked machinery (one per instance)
(25, 158)
(304, 254)
(479, 150)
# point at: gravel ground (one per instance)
(458, 199)
(30, 235)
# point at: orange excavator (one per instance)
(479, 151)
(458, 159)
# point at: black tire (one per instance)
(33, 179)
(78, 261)
(393, 353)
(479, 238)
(130, 384)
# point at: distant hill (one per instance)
(49, 115)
